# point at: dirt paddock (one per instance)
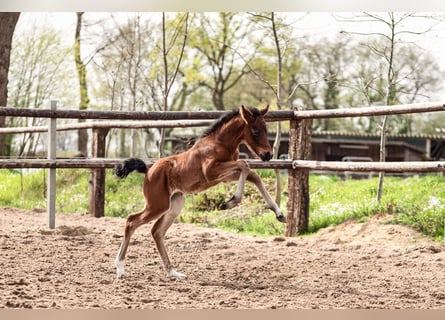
(367, 265)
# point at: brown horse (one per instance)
(212, 159)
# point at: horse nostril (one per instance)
(266, 156)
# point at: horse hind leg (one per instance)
(160, 228)
(134, 221)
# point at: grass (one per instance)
(27, 189)
(416, 201)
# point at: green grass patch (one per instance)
(416, 201)
(334, 201)
(23, 189)
(26, 189)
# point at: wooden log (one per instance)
(370, 111)
(76, 163)
(103, 114)
(113, 124)
(297, 219)
(409, 166)
(51, 188)
(130, 115)
(274, 115)
(97, 181)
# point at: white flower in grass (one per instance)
(434, 202)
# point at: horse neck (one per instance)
(231, 134)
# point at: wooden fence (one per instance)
(299, 149)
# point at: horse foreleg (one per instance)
(255, 179)
(238, 195)
(160, 228)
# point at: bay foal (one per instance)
(212, 159)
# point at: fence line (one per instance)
(299, 134)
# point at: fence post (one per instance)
(51, 191)
(297, 219)
(97, 181)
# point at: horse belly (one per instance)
(190, 183)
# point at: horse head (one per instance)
(255, 132)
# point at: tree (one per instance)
(121, 63)
(279, 33)
(39, 71)
(322, 80)
(139, 67)
(386, 45)
(219, 38)
(82, 141)
(8, 21)
(180, 30)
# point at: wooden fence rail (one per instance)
(371, 111)
(273, 115)
(279, 115)
(299, 147)
(94, 163)
(112, 124)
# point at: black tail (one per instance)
(122, 170)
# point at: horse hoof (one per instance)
(228, 204)
(281, 218)
(175, 274)
(223, 206)
(120, 268)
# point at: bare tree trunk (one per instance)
(389, 94)
(170, 79)
(276, 147)
(82, 141)
(8, 21)
(277, 142)
(97, 178)
(382, 156)
(165, 94)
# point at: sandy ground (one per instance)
(367, 265)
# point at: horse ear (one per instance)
(264, 111)
(246, 115)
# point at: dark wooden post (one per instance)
(97, 181)
(297, 219)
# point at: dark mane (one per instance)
(224, 119)
(220, 122)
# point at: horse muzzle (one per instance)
(266, 156)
